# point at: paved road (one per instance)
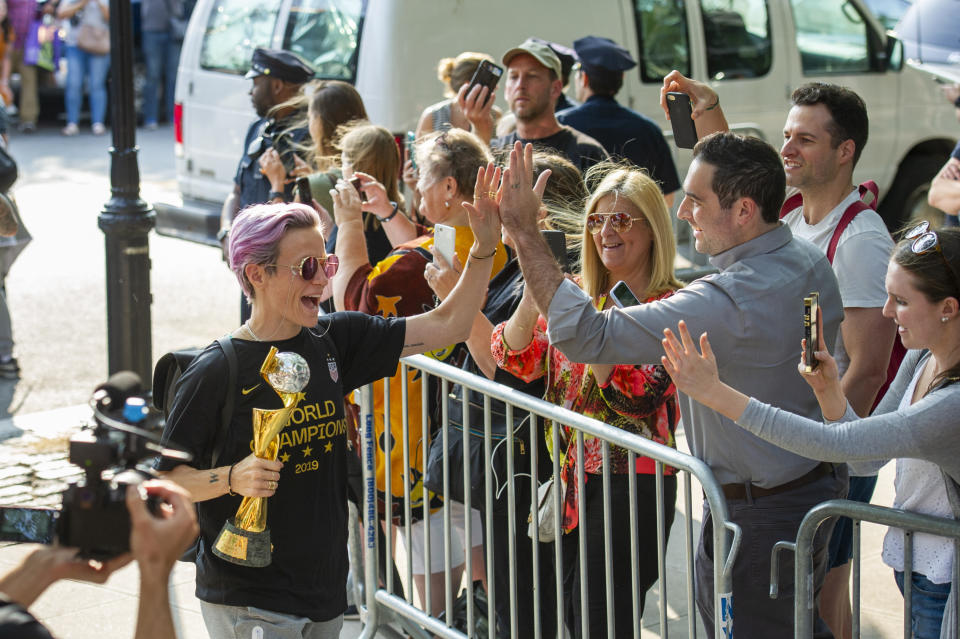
(56, 289)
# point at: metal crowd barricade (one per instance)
(909, 522)
(380, 606)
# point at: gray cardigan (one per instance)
(928, 429)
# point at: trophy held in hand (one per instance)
(245, 539)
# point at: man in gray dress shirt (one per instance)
(752, 311)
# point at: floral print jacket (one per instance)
(638, 399)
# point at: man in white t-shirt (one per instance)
(824, 135)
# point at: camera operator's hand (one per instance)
(48, 564)
(255, 477)
(156, 541)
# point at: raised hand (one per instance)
(484, 211)
(692, 372)
(272, 168)
(825, 377)
(346, 202)
(478, 109)
(701, 95)
(518, 196)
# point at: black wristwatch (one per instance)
(273, 195)
(387, 218)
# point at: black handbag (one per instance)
(433, 477)
(8, 170)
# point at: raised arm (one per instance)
(397, 227)
(707, 114)
(518, 211)
(452, 321)
(351, 244)
(478, 109)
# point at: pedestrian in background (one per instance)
(163, 22)
(22, 14)
(88, 58)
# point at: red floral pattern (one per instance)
(638, 399)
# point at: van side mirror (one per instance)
(893, 52)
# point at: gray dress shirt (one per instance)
(752, 311)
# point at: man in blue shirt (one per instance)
(622, 132)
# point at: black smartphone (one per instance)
(358, 185)
(684, 130)
(557, 241)
(488, 75)
(303, 190)
(810, 331)
(30, 525)
(622, 296)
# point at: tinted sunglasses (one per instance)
(926, 241)
(310, 266)
(620, 221)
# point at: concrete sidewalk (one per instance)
(77, 610)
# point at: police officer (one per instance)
(278, 76)
(622, 132)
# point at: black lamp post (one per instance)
(126, 219)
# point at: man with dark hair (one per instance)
(751, 310)
(823, 137)
(532, 87)
(278, 76)
(624, 133)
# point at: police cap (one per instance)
(594, 51)
(279, 64)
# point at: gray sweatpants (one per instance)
(247, 622)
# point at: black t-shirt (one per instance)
(577, 147)
(307, 516)
(17, 623)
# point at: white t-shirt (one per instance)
(860, 262)
(920, 488)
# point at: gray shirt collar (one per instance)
(767, 242)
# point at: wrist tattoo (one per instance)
(214, 477)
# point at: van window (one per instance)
(662, 34)
(326, 34)
(831, 36)
(737, 34)
(235, 28)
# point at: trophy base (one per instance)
(243, 547)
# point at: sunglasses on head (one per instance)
(926, 241)
(620, 221)
(310, 266)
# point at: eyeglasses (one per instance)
(620, 221)
(925, 241)
(310, 266)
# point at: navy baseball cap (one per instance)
(280, 64)
(594, 51)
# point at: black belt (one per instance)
(739, 491)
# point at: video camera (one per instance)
(93, 516)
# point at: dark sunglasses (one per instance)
(926, 241)
(310, 266)
(620, 221)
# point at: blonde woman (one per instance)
(627, 236)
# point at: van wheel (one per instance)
(906, 202)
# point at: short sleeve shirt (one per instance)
(860, 262)
(307, 515)
(579, 148)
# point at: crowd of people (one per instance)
(36, 34)
(349, 275)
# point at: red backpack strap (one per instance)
(867, 202)
(791, 203)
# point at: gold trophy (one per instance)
(245, 539)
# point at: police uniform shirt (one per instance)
(625, 134)
(254, 186)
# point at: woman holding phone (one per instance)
(627, 236)
(914, 422)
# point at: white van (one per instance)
(753, 52)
